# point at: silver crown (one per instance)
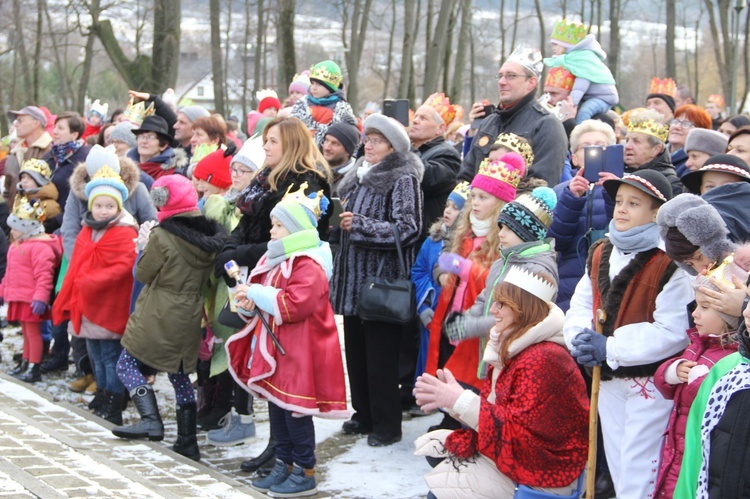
(531, 283)
(529, 58)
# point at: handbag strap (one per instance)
(399, 251)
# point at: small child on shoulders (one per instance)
(325, 103)
(594, 90)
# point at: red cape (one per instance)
(99, 281)
(91, 130)
(464, 361)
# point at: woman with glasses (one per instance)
(291, 158)
(686, 118)
(153, 152)
(382, 189)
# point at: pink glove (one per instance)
(454, 264)
(432, 393)
(38, 307)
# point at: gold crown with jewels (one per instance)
(515, 144)
(32, 210)
(135, 113)
(499, 170)
(665, 86)
(311, 203)
(36, 166)
(650, 127)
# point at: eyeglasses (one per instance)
(682, 123)
(510, 76)
(375, 141)
(239, 171)
(146, 137)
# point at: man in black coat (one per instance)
(441, 161)
(519, 112)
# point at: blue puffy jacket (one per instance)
(569, 229)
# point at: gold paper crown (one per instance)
(501, 171)
(136, 113)
(559, 77)
(299, 196)
(440, 103)
(106, 173)
(716, 99)
(721, 271)
(513, 142)
(26, 210)
(569, 33)
(531, 283)
(463, 189)
(37, 166)
(664, 86)
(650, 127)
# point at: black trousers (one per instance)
(372, 361)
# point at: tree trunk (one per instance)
(723, 64)
(446, 64)
(216, 59)
(38, 48)
(515, 30)
(20, 45)
(227, 44)
(463, 43)
(65, 83)
(360, 20)
(504, 30)
(436, 48)
(165, 55)
(391, 37)
(287, 64)
(671, 25)
(472, 68)
(543, 44)
(407, 48)
(258, 63)
(613, 54)
(245, 73)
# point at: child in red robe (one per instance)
(289, 286)
(95, 296)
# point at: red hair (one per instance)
(696, 114)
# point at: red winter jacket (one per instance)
(706, 351)
(31, 269)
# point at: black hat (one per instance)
(155, 124)
(651, 182)
(724, 163)
(666, 98)
(347, 134)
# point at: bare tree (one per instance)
(723, 45)
(38, 48)
(216, 59)
(614, 37)
(671, 24)
(436, 48)
(391, 36)
(540, 16)
(360, 18)
(260, 38)
(286, 65)
(463, 43)
(20, 47)
(407, 48)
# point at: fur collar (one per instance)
(128, 172)
(206, 234)
(382, 177)
(436, 232)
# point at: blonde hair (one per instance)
(489, 250)
(300, 154)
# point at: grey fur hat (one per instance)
(391, 129)
(699, 222)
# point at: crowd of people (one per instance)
(162, 238)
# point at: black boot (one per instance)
(267, 456)
(32, 374)
(150, 425)
(20, 368)
(187, 443)
(99, 398)
(111, 408)
(54, 364)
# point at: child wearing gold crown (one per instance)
(594, 89)
(27, 285)
(526, 428)
(95, 295)
(35, 184)
(324, 103)
(464, 265)
(289, 287)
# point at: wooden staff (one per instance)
(596, 374)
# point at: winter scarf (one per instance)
(480, 228)
(253, 196)
(281, 249)
(635, 240)
(363, 169)
(232, 195)
(88, 220)
(63, 151)
(327, 101)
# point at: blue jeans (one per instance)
(590, 107)
(295, 437)
(104, 355)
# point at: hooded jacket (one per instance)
(164, 332)
(138, 204)
(389, 193)
(731, 200)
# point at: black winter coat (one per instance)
(662, 164)
(441, 164)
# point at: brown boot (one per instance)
(80, 384)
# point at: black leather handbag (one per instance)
(389, 300)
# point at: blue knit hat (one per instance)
(460, 194)
(106, 182)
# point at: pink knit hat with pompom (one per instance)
(172, 195)
(500, 177)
